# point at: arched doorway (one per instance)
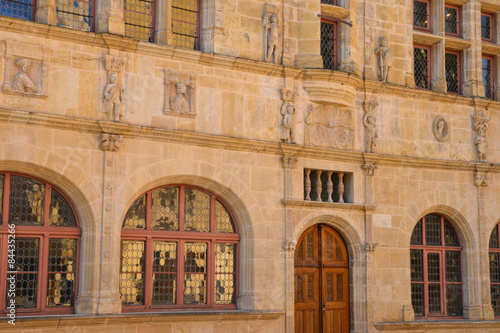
(321, 281)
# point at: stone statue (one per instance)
(179, 103)
(480, 125)
(113, 98)
(287, 111)
(370, 123)
(440, 129)
(384, 56)
(22, 82)
(271, 29)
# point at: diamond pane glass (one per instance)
(433, 229)
(138, 16)
(417, 265)
(164, 272)
(494, 238)
(26, 201)
(329, 2)
(165, 208)
(486, 26)
(487, 77)
(328, 45)
(451, 20)
(495, 298)
(416, 236)
(1, 196)
(421, 67)
(76, 14)
(452, 68)
(433, 267)
(22, 9)
(434, 298)
(452, 266)
(26, 255)
(417, 298)
(195, 268)
(225, 273)
(454, 299)
(223, 221)
(197, 210)
(132, 272)
(61, 214)
(450, 236)
(185, 17)
(494, 267)
(136, 215)
(420, 14)
(61, 273)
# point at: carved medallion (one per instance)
(440, 129)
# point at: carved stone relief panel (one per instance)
(331, 127)
(271, 35)
(26, 69)
(440, 129)
(114, 97)
(480, 125)
(180, 93)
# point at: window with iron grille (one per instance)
(436, 269)
(421, 64)
(75, 14)
(329, 44)
(421, 17)
(329, 2)
(22, 9)
(488, 76)
(452, 20)
(487, 27)
(494, 256)
(186, 23)
(179, 249)
(43, 255)
(453, 71)
(139, 16)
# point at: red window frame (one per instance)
(459, 32)
(212, 238)
(429, 64)
(492, 74)
(198, 25)
(441, 250)
(492, 24)
(44, 233)
(491, 251)
(153, 19)
(428, 28)
(459, 70)
(335, 43)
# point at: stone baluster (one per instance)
(329, 186)
(318, 185)
(307, 184)
(341, 187)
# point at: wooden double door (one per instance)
(321, 282)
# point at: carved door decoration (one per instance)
(321, 282)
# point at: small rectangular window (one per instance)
(329, 44)
(421, 17)
(139, 16)
(452, 20)
(487, 27)
(76, 14)
(421, 63)
(329, 2)
(488, 76)
(21, 9)
(186, 23)
(453, 71)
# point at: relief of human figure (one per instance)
(179, 103)
(370, 123)
(22, 82)
(480, 142)
(272, 28)
(287, 111)
(384, 56)
(113, 98)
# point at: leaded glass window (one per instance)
(43, 253)
(436, 270)
(21, 9)
(187, 251)
(488, 75)
(487, 27)
(452, 20)
(421, 14)
(452, 67)
(421, 63)
(329, 2)
(75, 14)
(494, 258)
(186, 23)
(139, 19)
(329, 44)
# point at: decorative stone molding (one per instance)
(480, 125)
(370, 124)
(334, 11)
(481, 179)
(369, 169)
(110, 142)
(384, 58)
(289, 245)
(440, 129)
(328, 205)
(180, 93)
(289, 162)
(114, 64)
(370, 247)
(330, 127)
(287, 111)
(331, 87)
(26, 69)
(348, 66)
(270, 23)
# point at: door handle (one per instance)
(324, 307)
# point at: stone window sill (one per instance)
(491, 49)
(425, 325)
(457, 44)
(334, 205)
(426, 39)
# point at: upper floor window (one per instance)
(452, 20)
(329, 44)
(436, 269)
(329, 2)
(494, 255)
(179, 249)
(40, 267)
(421, 64)
(186, 23)
(140, 19)
(421, 17)
(487, 27)
(488, 76)
(22, 9)
(453, 71)
(76, 14)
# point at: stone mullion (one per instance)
(438, 50)
(472, 81)
(46, 12)
(110, 17)
(163, 31)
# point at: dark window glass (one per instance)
(494, 259)
(417, 265)
(452, 72)
(421, 14)
(486, 26)
(329, 2)
(417, 298)
(421, 67)
(488, 77)
(494, 238)
(451, 22)
(328, 46)
(433, 230)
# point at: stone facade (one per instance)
(228, 137)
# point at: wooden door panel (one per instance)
(334, 321)
(307, 321)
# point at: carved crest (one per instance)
(330, 127)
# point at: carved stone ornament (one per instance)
(113, 99)
(369, 169)
(331, 127)
(180, 93)
(26, 69)
(370, 123)
(480, 179)
(370, 247)
(289, 162)
(384, 58)
(270, 23)
(114, 64)
(289, 245)
(287, 111)
(480, 125)
(440, 129)
(110, 142)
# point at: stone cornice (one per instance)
(329, 205)
(436, 325)
(129, 131)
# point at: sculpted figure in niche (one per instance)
(113, 98)
(179, 103)
(271, 25)
(384, 56)
(22, 82)
(480, 142)
(370, 123)
(287, 111)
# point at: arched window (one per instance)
(179, 249)
(39, 240)
(436, 270)
(494, 254)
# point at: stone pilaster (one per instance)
(472, 81)
(308, 35)
(163, 32)
(110, 17)
(46, 12)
